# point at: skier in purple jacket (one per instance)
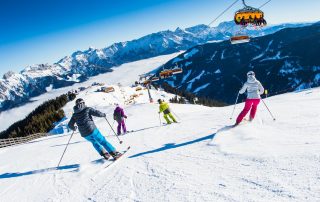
(119, 116)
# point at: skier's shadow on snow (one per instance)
(58, 145)
(174, 145)
(142, 129)
(75, 168)
(71, 168)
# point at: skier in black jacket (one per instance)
(82, 116)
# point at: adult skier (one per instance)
(82, 116)
(254, 90)
(119, 116)
(164, 107)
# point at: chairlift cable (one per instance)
(264, 4)
(227, 29)
(228, 8)
(222, 13)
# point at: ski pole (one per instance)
(112, 126)
(160, 119)
(234, 106)
(113, 130)
(176, 115)
(65, 149)
(268, 110)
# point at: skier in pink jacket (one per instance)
(254, 90)
(119, 116)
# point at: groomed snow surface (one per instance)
(198, 159)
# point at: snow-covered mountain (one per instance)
(18, 88)
(199, 159)
(283, 61)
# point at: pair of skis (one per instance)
(244, 121)
(129, 131)
(112, 161)
(168, 124)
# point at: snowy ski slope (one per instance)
(198, 159)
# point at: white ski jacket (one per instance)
(253, 87)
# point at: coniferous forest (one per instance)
(40, 120)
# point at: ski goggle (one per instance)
(81, 104)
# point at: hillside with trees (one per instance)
(40, 120)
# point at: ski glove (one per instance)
(74, 128)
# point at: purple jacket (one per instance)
(118, 114)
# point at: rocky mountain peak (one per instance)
(7, 75)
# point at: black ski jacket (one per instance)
(84, 121)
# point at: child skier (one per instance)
(82, 116)
(119, 116)
(164, 107)
(254, 90)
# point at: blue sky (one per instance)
(44, 31)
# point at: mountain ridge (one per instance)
(18, 88)
(283, 61)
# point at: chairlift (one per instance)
(244, 17)
(165, 73)
(249, 15)
(177, 70)
(239, 39)
(155, 78)
(143, 76)
(146, 82)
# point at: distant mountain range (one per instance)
(284, 61)
(18, 88)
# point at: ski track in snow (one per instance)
(199, 159)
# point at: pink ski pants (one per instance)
(249, 104)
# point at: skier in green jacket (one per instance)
(164, 107)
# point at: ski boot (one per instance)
(106, 155)
(115, 155)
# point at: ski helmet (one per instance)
(159, 101)
(80, 103)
